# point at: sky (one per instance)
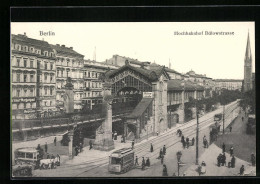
(217, 56)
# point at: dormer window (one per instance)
(18, 47)
(31, 49)
(38, 51)
(45, 53)
(25, 48)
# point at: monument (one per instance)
(103, 139)
(69, 97)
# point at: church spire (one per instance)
(248, 48)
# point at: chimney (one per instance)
(63, 45)
(24, 33)
(58, 44)
(71, 48)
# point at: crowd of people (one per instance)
(186, 142)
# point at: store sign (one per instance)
(24, 100)
(28, 111)
(147, 94)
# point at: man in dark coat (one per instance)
(184, 144)
(165, 173)
(187, 142)
(164, 150)
(162, 157)
(136, 160)
(230, 129)
(55, 140)
(160, 154)
(233, 162)
(192, 141)
(242, 169)
(223, 159)
(46, 147)
(143, 164)
(133, 143)
(147, 162)
(219, 159)
(90, 144)
(76, 151)
(151, 149)
(253, 159)
(223, 147)
(182, 139)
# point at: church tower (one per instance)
(248, 67)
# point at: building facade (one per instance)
(229, 84)
(33, 79)
(69, 63)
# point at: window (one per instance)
(45, 91)
(51, 91)
(88, 74)
(45, 53)
(31, 92)
(18, 77)
(45, 65)
(18, 62)
(25, 62)
(51, 78)
(45, 77)
(31, 49)
(25, 92)
(45, 103)
(18, 93)
(93, 74)
(50, 103)
(51, 66)
(31, 78)
(25, 78)
(31, 63)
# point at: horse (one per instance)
(47, 163)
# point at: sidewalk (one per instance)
(210, 158)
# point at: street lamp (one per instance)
(197, 138)
(179, 154)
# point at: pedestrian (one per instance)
(206, 143)
(80, 147)
(115, 136)
(52, 156)
(242, 169)
(184, 144)
(143, 164)
(136, 160)
(253, 159)
(160, 154)
(192, 141)
(76, 151)
(203, 163)
(233, 162)
(133, 143)
(223, 147)
(151, 148)
(187, 142)
(48, 156)
(46, 147)
(242, 118)
(112, 135)
(204, 137)
(180, 133)
(58, 159)
(223, 159)
(148, 162)
(90, 144)
(55, 139)
(157, 133)
(162, 157)
(219, 159)
(230, 128)
(182, 139)
(164, 150)
(165, 173)
(231, 150)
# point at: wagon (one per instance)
(28, 156)
(121, 160)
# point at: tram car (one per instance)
(28, 156)
(121, 161)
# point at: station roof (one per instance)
(153, 74)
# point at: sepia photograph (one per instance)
(132, 99)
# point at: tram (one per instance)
(121, 161)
